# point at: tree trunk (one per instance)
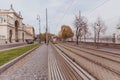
(84, 38)
(94, 37)
(80, 38)
(77, 40)
(98, 37)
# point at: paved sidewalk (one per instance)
(32, 67)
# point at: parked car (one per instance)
(29, 41)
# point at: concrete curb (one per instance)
(12, 62)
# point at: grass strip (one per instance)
(8, 55)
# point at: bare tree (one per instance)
(84, 28)
(99, 27)
(87, 35)
(118, 26)
(80, 24)
(95, 33)
(77, 24)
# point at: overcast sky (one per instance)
(63, 12)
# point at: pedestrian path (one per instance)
(33, 67)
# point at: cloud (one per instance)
(109, 13)
(61, 11)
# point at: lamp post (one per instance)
(38, 18)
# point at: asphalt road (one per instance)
(32, 67)
(6, 46)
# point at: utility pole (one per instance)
(46, 28)
(79, 14)
(38, 18)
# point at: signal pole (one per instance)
(46, 28)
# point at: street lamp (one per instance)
(38, 18)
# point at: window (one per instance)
(1, 19)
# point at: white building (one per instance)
(29, 32)
(11, 27)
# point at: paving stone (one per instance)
(33, 68)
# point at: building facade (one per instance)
(29, 32)
(11, 26)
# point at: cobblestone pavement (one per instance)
(32, 67)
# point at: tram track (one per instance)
(117, 55)
(99, 62)
(84, 75)
(101, 59)
(99, 53)
(67, 69)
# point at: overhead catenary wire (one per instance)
(71, 4)
(67, 9)
(104, 2)
(64, 13)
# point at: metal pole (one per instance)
(46, 28)
(38, 18)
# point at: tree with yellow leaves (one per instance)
(66, 32)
